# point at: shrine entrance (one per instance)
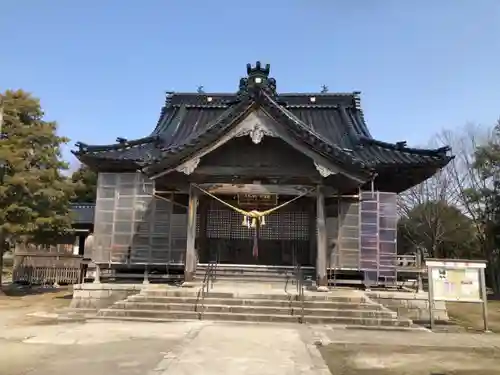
(284, 237)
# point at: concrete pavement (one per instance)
(203, 347)
(127, 348)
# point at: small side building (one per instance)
(82, 215)
(175, 197)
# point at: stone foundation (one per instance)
(410, 305)
(101, 295)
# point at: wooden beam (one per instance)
(285, 171)
(256, 189)
(190, 258)
(322, 244)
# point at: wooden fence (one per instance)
(46, 265)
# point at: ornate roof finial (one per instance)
(324, 89)
(200, 90)
(258, 70)
(258, 78)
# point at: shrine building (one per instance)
(255, 177)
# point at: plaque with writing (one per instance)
(247, 199)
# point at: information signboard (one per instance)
(456, 281)
(456, 284)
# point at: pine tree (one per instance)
(34, 195)
(85, 185)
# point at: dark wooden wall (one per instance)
(271, 157)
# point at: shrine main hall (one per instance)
(254, 178)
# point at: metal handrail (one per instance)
(205, 288)
(299, 280)
(301, 294)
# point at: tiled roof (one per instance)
(138, 149)
(82, 213)
(201, 134)
(331, 122)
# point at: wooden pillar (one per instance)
(322, 243)
(204, 253)
(312, 230)
(190, 258)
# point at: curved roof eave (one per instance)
(84, 148)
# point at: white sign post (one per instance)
(452, 280)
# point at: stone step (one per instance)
(184, 292)
(275, 281)
(230, 273)
(254, 270)
(193, 292)
(402, 328)
(249, 278)
(410, 327)
(256, 302)
(251, 274)
(190, 315)
(223, 266)
(76, 310)
(256, 310)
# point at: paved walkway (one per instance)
(178, 348)
(244, 349)
(201, 347)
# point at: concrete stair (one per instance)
(156, 304)
(252, 273)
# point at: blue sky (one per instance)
(101, 67)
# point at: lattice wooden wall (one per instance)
(288, 223)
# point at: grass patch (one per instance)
(470, 315)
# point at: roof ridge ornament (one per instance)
(257, 79)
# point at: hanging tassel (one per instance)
(255, 248)
(245, 221)
(263, 220)
(254, 223)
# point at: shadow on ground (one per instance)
(359, 359)
(16, 290)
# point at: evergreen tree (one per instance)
(85, 184)
(34, 194)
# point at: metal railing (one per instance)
(208, 283)
(299, 281)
